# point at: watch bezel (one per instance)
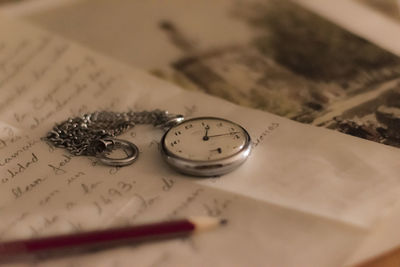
(206, 168)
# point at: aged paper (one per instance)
(306, 196)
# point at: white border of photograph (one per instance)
(367, 23)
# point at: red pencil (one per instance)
(108, 237)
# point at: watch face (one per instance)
(205, 139)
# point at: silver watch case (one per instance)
(211, 167)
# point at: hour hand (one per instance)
(206, 137)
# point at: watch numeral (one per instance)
(175, 142)
(188, 126)
(178, 133)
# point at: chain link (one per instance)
(82, 135)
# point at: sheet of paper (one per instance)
(307, 192)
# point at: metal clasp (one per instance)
(171, 121)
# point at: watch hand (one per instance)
(222, 134)
(219, 150)
(205, 137)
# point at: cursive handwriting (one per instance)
(59, 105)
(186, 202)
(20, 168)
(144, 205)
(76, 176)
(18, 152)
(46, 223)
(273, 126)
(19, 191)
(49, 196)
(50, 97)
(216, 207)
(8, 137)
(168, 183)
(106, 199)
(58, 168)
(89, 188)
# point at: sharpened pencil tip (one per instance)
(223, 221)
(206, 223)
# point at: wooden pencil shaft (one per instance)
(97, 238)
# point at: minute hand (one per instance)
(223, 134)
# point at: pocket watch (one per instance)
(202, 146)
(205, 146)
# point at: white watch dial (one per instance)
(205, 139)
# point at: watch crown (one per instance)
(171, 121)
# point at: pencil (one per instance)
(108, 237)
